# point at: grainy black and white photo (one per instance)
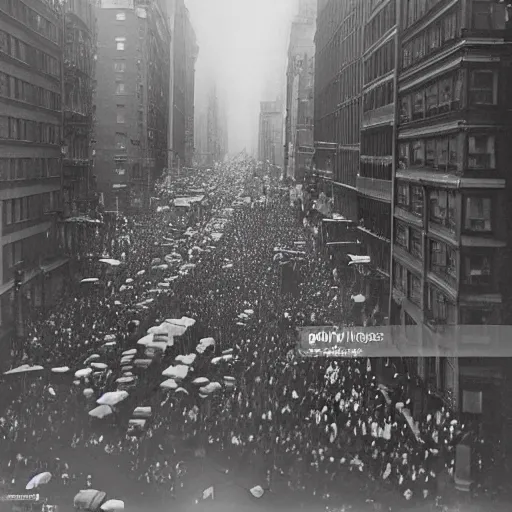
(255, 255)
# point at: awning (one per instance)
(358, 260)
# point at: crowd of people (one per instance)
(311, 423)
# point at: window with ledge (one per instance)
(442, 208)
(418, 152)
(399, 277)
(418, 105)
(440, 309)
(402, 194)
(415, 243)
(404, 160)
(478, 270)
(120, 43)
(405, 109)
(478, 214)
(481, 152)
(443, 259)
(414, 288)
(483, 87)
(432, 100)
(120, 89)
(120, 140)
(119, 66)
(417, 200)
(120, 114)
(402, 235)
(121, 16)
(488, 15)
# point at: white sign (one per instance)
(117, 4)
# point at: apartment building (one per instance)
(299, 145)
(374, 181)
(133, 72)
(452, 196)
(270, 134)
(338, 99)
(31, 261)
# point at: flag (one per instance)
(208, 493)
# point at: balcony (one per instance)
(374, 188)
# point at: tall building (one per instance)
(184, 55)
(374, 181)
(270, 136)
(132, 95)
(31, 117)
(338, 99)
(299, 92)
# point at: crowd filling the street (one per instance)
(175, 342)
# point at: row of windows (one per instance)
(379, 96)
(17, 9)
(78, 50)
(28, 168)
(380, 62)
(36, 58)
(380, 24)
(416, 9)
(378, 169)
(29, 207)
(377, 142)
(445, 153)
(31, 131)
(446, 29)
(348, 123)
(17, 89)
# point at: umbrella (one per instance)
(146, 339)
(112, 505)
(92, 357)
(126, 369)
(201, 381)
(130, 352)
(188, 359)
(358, 298)
(40, 479)
(142, 412)
(112, 398)
(204, 344)
(61, 369)
(257, 491)
(108, 261)
(89, 499)
(88, 392)
(179, 371)
(169, 384)
(184, 321)
(84, 372)
(210, 388)
(99, 366)
(109, 337)
(24, 368)
(101, 411)
(129, 280)
(90, 280)
(182, 390)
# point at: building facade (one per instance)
(270, 133)
(299, 93)
(452, 195)
(338, 99)
(374, 180)
(132, 94)
(32, 264)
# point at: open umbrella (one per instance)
(112, 398)
(40, 479)
(92, 357)
(201, 381)
(204, 343)
(90, 280)
(99, 366)
(24, 368)
(257, 491)
(130, 352)
(84, 372)
(112, 505)
(61, 369)
(188, 359)
(108, 261)
(102, 411)
(169, 384)
(179, 371)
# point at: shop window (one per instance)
(476, 316)
(404, 159)
(477, 270)
(481, 152)
(445, 94)
(430, 153)
(454, 153)
(477, 214)
(483, 88)
(442, 153)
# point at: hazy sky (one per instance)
(243, 43)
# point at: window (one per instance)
(405, 109)
(400, 277)
(442, 153)
(477, 270)
(120, 140)
(417, 200)
(402, 194)
(454, 153)
(481, 153)
(483, 88)
(8, 211)
(440, 309)
(120, 42)
(416, 245)
(120, 88)
(430, 153)
(402, 235)
(477, 215)
(120, 171)
(443, 259)
(418, 106)
(488, 15)
(404, 159)
(442, 208)
(121, 16)
(119, 66)
(120, 114)
(445, 94)
(414, 288)
(432, 100)
(418, 152)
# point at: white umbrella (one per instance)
(226, 357)
(112, 505)
(146, 339)
(61, 369)
(201, 381)
(179, 371)
(173, 329)
(99, 366)
(24, 368)
(112, 398)
(125, 380)
(204, 343)
(40, 479)
(88, 392)
(90, 280)
(188, 359)
(84, 372)
(249, 311)
(358, 298)
(257, 491)
(108, 261)
(109, 337)
(210, 388)
(101, 411)
(129, 280)
(130, 352)
(182, 390)
(169, 384)
(184, 320)
(92, 357)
